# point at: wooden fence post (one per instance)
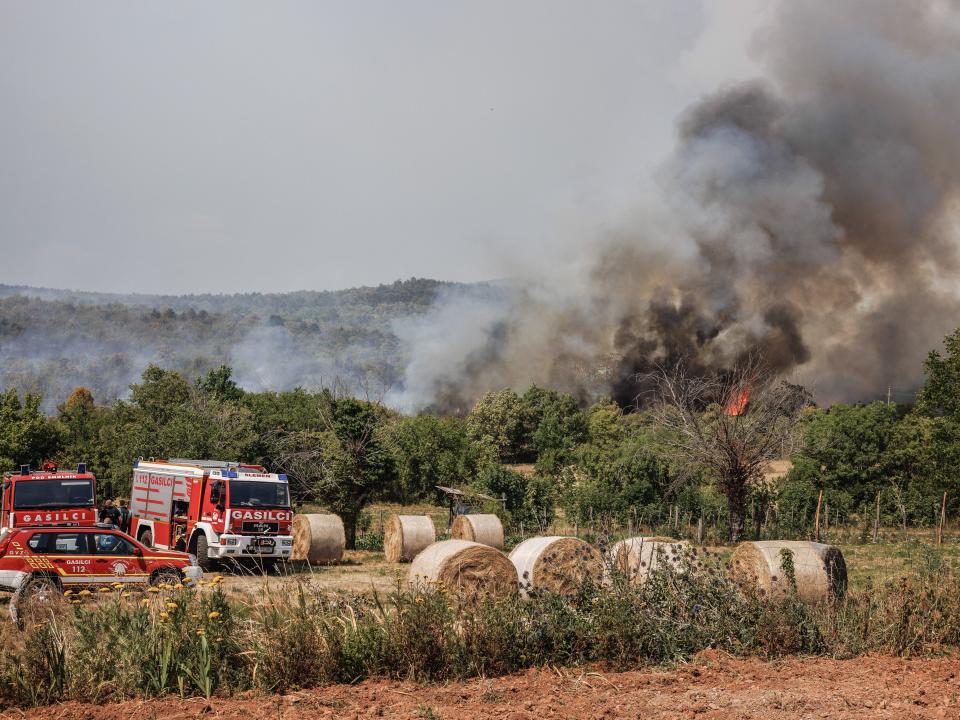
(876, 522)
(816, 519)
(943, 519)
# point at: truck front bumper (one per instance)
(252, 546)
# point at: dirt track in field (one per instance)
(714, 687)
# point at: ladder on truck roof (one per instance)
(206, 464)
(213, 464)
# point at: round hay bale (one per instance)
(406, 535)
(465, 567)
(556, 564)
(318, 538)
(483, 529)
(637, 557)
(820, 569)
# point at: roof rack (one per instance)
(211, 464)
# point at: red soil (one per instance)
(714, 687)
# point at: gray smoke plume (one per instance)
(813, 218)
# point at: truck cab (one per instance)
(48, 497)
(216, 510)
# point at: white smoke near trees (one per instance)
(813, 219)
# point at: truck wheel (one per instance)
(203, 553)
(146, 537)
(166, 576)
(39, 600)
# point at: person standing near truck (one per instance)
(124, 513)
(110, 514)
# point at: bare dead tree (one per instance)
(727, 425)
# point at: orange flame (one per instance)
(737, 405)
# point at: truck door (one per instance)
(116, 559)
(63, 554)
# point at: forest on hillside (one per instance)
(599, 463)
(54, 340)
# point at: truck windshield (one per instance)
(251, 493)
(36, 494)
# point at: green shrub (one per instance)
(199, 642)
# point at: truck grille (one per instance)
(259, 527)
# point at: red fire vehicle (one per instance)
(213, 509)
(38, 564)
(47, 497)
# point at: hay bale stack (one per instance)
(637, 557)
(318, 539)
(483, 529)
(556, 564)
(820, 569)
(464, 567)
(406, 535)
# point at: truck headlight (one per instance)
(286, 542)
(230, 540)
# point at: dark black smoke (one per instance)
(817, 213)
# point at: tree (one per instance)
(726, 424)
(80, 423)
(283, 412)
(166, 417)
(843, 451)
(341, 462)
(160, 394)
(497, 420)
(219, 385)
(552, 422)
(428, 451)
(26, 436)
(610, 482)
(940, 395)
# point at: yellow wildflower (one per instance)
(214, 615)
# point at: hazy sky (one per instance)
(223, 146)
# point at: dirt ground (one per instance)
(360, 572)
(713, 687)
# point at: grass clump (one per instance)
(201, 643)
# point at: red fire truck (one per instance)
(213, 509)
(48, 497)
